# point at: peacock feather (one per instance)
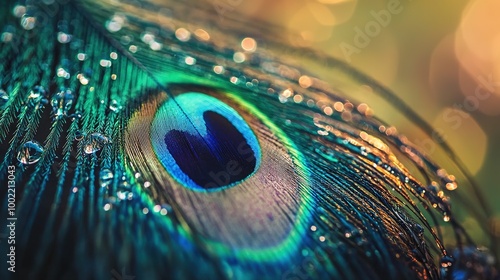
(138, 145)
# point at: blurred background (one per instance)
(441, 57)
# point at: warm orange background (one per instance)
(438, 56)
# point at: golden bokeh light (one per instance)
(451, 123)
(477, 42)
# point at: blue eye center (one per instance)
(212, 161)
(212, 149)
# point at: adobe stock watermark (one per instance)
(364, 35)
(11, 218)
(224, 6)
(233, 168)
(308, 267)
(39, 15)
(454, 118)
(121, 276)
(305, 270)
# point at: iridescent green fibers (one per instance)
(275, 179)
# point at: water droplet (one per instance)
(107, 206)
(30, 152)
(419, 229)
(83, 80)
(76, 115)
(36, 95)
(115, 106)
(218, 69)
(62, 73)
(28, 22)
(363, 151)
(4, 98)
(105, 177)
(81, 56)
(115, 23)
(446, 266)
(109, 203)
(239, 57)
(155, 46)
(125, 40)
(95, 142)
(19, 11)
(63, 37)
(105, 63)
(124, 192)
(79, 135)
(133, 48)
(182, 34)
(61, 103)
(249, 44)
(147, 37)
(6, 37)
(474, 262)
(190, 60)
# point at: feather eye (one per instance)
(234, 179)
(204, 143)
(168, 145)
